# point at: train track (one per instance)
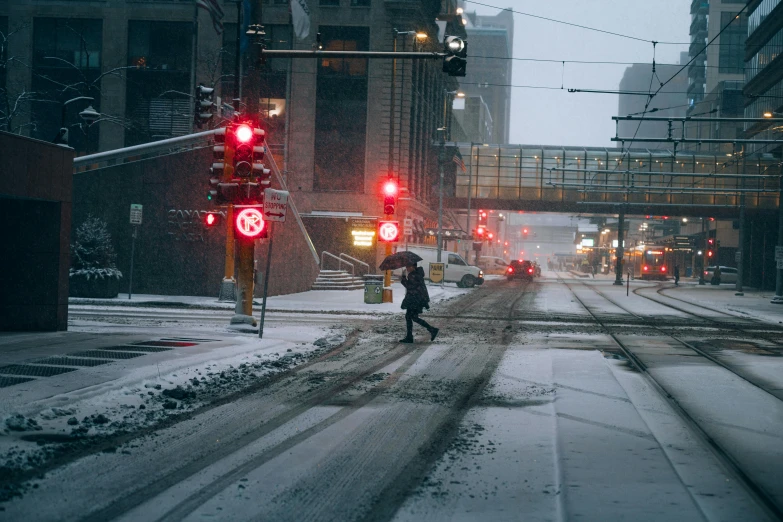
(761, 494)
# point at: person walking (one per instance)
(416, 300)
(676, 275)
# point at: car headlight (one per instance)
(481, 273)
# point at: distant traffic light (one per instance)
(204, 106)
(390, 190)
(221, 188)
(524, 233)
(455, 61)
(479, 235)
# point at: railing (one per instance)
(339, 262)
(356, 261)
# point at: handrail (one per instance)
(339, 262)
(357, 261)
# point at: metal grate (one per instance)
(189, 339)
(178, 344)
(69, 361)
(35, 371)
(10, 381)
(106, 354)
(136, 348)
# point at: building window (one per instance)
(274, 75)
(731, 57)
(360, 3)
(341, 112)
(329, 2)
(158, 85)
(66, 65)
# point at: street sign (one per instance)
(779, 254)
(135, 214)
(407, 222)
(388, 231)
(250, 222)
(407, 231)
(275, 205)
(436, 272)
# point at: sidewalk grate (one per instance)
(137, 348)
(176, 344)
(10, 381)
(107, 354)
(35, 371)
(189, 339)
(69, 361)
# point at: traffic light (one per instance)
(390, 190)
(479, 235)
(482, 215)
(249, 176)
(455, 61)
(710, 254)
(203, 111)
(388, 231)
(222, 190)
(524, 233)
(212, 219)
(490, 237)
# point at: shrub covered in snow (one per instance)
(93, 256)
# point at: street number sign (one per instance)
(135, 214)
(250, 222)
(275, 205)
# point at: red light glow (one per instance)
(530, 270)
(510, 270)
(388, 231)
(244, 133)
(211, 219)
(390, 188)
(663, 269)
(646, 268)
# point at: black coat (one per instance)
(416, 296)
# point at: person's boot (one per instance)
(433, 333)
(408, 339)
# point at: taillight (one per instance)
(510, 270)
(646, 268)
(663, 269)
(530, 270)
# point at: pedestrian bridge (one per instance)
(601, 180)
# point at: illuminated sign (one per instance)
(615, 243)
(363, 231)
(588, 242)
(655, 252)
(388, 231)
(250, 223)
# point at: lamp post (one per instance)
(444, 132)
(62, 136)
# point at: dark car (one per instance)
(520, 270)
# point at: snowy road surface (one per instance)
(560, 399)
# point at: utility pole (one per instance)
(778, 299)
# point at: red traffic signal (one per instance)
(388, 231)
(710, 241)
(710, 253)
(212, 219)
(390, 190)
(250, 223)
(244, 133)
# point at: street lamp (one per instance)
(62, 135)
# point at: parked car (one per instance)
(727, 274)
(520, 270)
(493, 265)
(456, 269)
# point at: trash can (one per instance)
(688, 271)
(373, 289)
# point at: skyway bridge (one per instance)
(603, 180)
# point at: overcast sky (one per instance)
(557, 117)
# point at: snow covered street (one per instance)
(558, 399)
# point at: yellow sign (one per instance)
(436, 272)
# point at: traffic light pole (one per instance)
(620, 251)
(778, 299)
(243, 313)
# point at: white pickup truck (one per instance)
(456, 269)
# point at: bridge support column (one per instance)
(618, 280)
(778, 299)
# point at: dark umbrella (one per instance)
(399, 260)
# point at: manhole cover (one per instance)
(164, 343)
(10, 381)
(69, 361)
(35, 371)
(106, 354)
(136, 348)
